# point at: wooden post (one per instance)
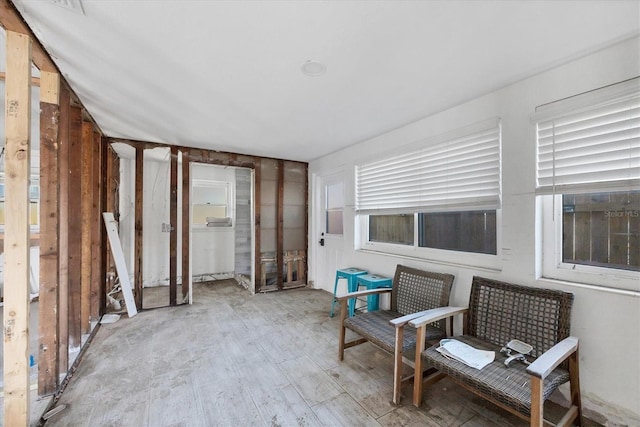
(75, 227)
(138, 215)
(97, 276)
(63, 205)
(16, 230)
(186, 229)
(85, 209)
(258, 284)
(173, 234)
(49, 234)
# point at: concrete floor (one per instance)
(236, 359)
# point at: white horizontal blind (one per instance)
(462, 173)
(593, 148)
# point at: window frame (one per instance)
(551, 265)
(481, 261)
(229, 205)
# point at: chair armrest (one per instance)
(547, 362)
(399, 322)
(358, 294)
(436, 314)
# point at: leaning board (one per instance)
(121, 266)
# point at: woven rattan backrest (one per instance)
(500, 312)
(417, 290)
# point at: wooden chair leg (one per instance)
(537, 408)
(343, 332)
(574, 385)
(417, 373)
(397, 367)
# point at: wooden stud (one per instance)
(16, 230)
(280, 225)
(138, 239)
(75, 227)
(63, 207)
(173, 234)
(85, 209)
(258, 284)
(97, 276)
(186, 228)
(49, 239)
(104, 174)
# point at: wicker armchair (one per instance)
(413, 291)
(499, 312)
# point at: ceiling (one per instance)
(226, 75)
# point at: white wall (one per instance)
(213, 249)
(607, 323)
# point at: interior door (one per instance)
(329, 219)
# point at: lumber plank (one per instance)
(63, 247)
(85, 207)
(186, 224)
(49, 240)
(75, 227)
(97, 276)
(16, 232)
(258, 270)
(138, 238)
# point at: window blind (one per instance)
(591, 148)
(460, 172)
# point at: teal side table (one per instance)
(350, 274)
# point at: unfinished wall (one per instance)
(606, 321)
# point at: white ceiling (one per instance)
(225, 75)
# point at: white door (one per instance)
(328, 229)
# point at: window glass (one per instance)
(334, 207)
(602, 229)
(473, 231)
(391, 229)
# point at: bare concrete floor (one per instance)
(232, 359)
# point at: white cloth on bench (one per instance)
(466, 354)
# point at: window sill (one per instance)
(490, 269)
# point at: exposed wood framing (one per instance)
(186, 226)
(173, 234)
(75, 227)
(49, 235)
(16, 234)
(12, 21)
(280, 225)
(85, 210)
(138, 213)
(97, 276)
(63, 203)
(104, 174)
(111, 205)
(35, 81)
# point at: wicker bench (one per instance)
(413, 291)
(499, 312)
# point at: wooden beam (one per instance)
(11, 20)
(75, 227)
(186, 228)
(138, 215)
(49, 238)
(97, 276)
(173, 234)
(104, 191)
(85, 209)
(280, 225)
(63, 206)
(16, 230)
(35, 81)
